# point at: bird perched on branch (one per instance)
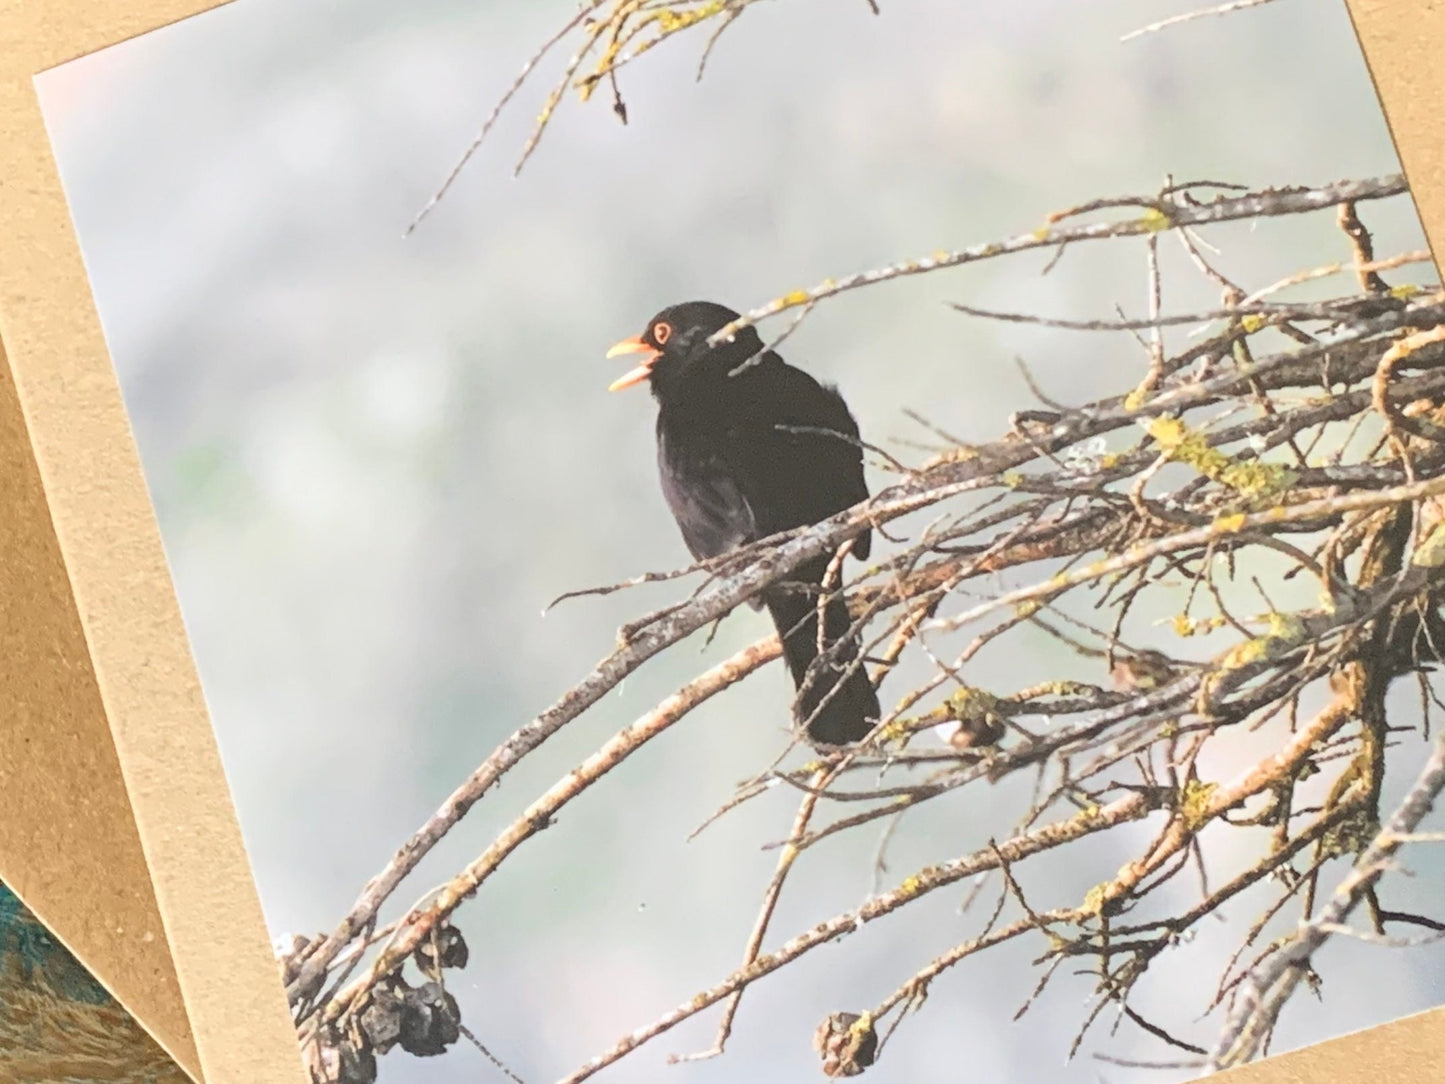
(747, 448)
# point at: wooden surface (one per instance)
(57, 1023)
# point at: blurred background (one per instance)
(375, 459)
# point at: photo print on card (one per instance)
(990, 627)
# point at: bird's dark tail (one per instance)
(851, 710)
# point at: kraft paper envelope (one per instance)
(116, 827)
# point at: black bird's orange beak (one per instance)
(634, 345)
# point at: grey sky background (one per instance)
(375, 459)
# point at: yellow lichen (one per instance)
(970, 703)
(1094, 899)
(909, 886)
(1249, 478)
(1187, 446)
(894, 731)
(1194, 802)
(1167, 432)
(1230, 524)
(1183, 626)
(1255, 479)
(1431, 552)
(1283, 632)
(1285, 627)
(1155, 220)
(1067, 688)
(670, 22)
(1242, 654)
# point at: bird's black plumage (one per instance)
(735, 468)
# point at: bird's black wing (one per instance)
(704, 495)
(803, 463)
(851, 486)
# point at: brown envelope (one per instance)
(116, 826)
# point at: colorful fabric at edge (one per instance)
(57, 1024)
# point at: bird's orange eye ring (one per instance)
(661, 332)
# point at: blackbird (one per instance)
(744, 455)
